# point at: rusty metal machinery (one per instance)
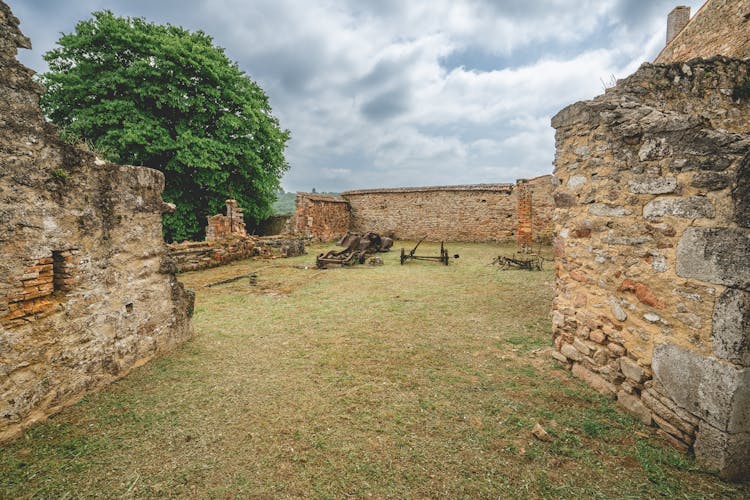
(356, 249)
(443, 258)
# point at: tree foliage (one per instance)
(167, 98)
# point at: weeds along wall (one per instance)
(482, 212)
(652, 302)
(720, 27)
(86, 289)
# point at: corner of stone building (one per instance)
(652, 303)
(86, 294)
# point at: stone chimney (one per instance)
(677, 20)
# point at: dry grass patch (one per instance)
(394, 381)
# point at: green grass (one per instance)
(394, 381)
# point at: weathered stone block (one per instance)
(691, 207)
(726, 452)
(634, 405)
(558, 356)
(571, 352)
(595, 381)
(710, 181)
(632, 370)
(605, 210)
(714, 391)
(741, 194)
(564, 200)
(716, 255)
(617, 311)
(731, 326)
(582, 347)
(652, 185)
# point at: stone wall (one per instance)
(482, 212)
(652, 301)
(324, 218)
(720, 27)
(85, 291)
(193, 256)
(221, 226)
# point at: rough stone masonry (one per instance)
(476, 213)
(86, 289)
(652, 301)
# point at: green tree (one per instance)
(161, 96)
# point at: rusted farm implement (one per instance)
(356, 249)
(443, 258)
(530, 262)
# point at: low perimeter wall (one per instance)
(481, 212)
(652, 302)
(193, 256)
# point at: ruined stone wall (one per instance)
(652, 302)
(720, 27)
(482, 212)
(324, 218)
(221, 226)
(193, 256)
(86, 292)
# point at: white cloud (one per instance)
(367, 94)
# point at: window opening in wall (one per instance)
(129, 307)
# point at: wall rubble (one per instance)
(84, 294)
(652, 302)
(194, 256)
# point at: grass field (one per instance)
(407, 381)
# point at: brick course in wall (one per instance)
(652, 303)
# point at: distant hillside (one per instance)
(285, 202)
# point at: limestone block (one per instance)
(634, 405)
(576, 181)
(716, 392)
(558, 356)
(632, 370)
(741, 194)
(571, 352)
(691, 207)
(594, 381)
(727, 452)
(582, 347)
(711, 181)
(617, 311)
(606, 210)
(731, 326)
(652, 185)
(716, 255)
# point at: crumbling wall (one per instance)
(86, 292)
(323, 218)
(196, 255)
(482, 212)
(721, 27)
(222, 226)
(652, 302)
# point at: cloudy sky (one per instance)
(389, 93)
